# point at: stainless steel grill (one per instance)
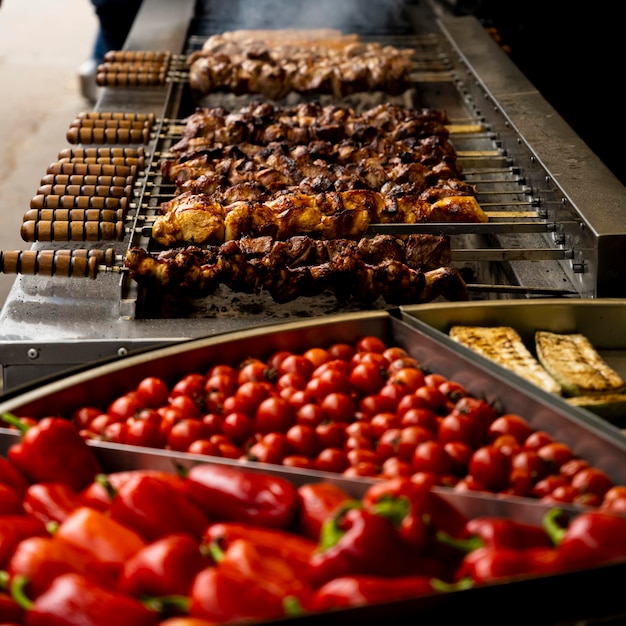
(552, 230)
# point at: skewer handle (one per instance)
(65, 263)
(32, 230)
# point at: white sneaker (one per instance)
(87, 80)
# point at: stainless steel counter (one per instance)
(51, 324)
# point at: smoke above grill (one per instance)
(365, 16)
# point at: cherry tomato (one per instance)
(357, 456)
(431, 456)
(370, 343)
(555, 454)
(509, 445)
(490, 467)
(255, 371)
(327, 382)
(367, 378)
(214, 401)
(296, 364)
(299, 460)
(510, 424)
(532, 462)
(298, 398)
(570, 468)
(362, 468)
(373, 358)
(331, 434)
(393, 466)
(461, 427)
(410, 438)
(272, 448)
(204, 446)
(452, 390)
(190, 385)
(372, 404)
(546, 485)
(360, 429)
(419, 417)
(183, 433)
(186, 405)
(212, 423)
(387, 445)
(521, 481)
(145, 430)
(538, 439)
(341, 351)
(460, 454)
(83, 416)
(152, 392)
(398, 364)
(338, 407)
(477, 409)
(433, 398)
(390, 396)
(384, 421)
(409, 378)
(237, 425)
(277, 358)
(317, 356)
(561, 493)
(333, 364)
(248, 397)
(225, 383)
(310, 414)
(123, 407)
(169, 417)
(274, 414)
(592, 480)
(115, 432)
(291, 380)
(394, 353)
(434, 380)
(303, 440)
(331, 460)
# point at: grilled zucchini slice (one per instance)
(610, 406)
(572, 360)
(504, 346)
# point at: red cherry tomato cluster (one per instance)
(366, 409)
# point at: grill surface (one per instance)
(553, 231)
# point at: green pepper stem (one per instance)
(393, 508)
(103, 480)
(550, 523)
(165, 603)
(442, 586)
(215, 551)
(331, 532)
(18, 591)
(467, 545)
(292, 606)
(13, 420)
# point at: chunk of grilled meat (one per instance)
(303, 266)
(274, 68)
(193, 218)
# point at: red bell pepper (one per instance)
(155, 508)
(11, 476)
(318, 501)
(346, 591)
(239, 495)
(41, 559)
(498, 533)
(108, 541)
(52, 450)
(100, 493)
(14, 528)
(222, 596)
(10, 611)
(164, 567)
(51, 502)
(295, 549)
(74, 600)
(10, 501)
(589, 539)
(358, 541)
(270, 572)
(489, 563)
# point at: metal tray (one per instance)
(597, 590)
(601, 320)
(589, 437)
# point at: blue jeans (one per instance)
(115, 19)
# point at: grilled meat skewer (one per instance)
(362, 271)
